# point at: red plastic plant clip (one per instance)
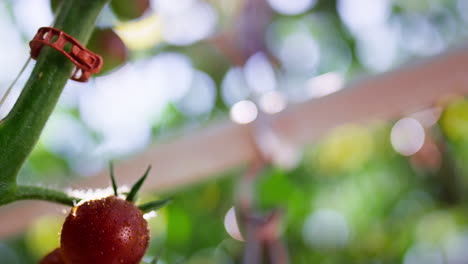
(86, 62)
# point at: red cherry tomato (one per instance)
(108, 44)
(105, 231)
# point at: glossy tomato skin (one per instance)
(54, 257)
(105, 231)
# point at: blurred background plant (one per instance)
(388, 192)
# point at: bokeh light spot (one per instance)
(272, 102)
(423, 253)
(294, 7)
(378, 47)
(326, 229)
(407, 136)
(259, 73)
(200, 18)
(171, 7)
(234, 87)
(299, 52)
(325, 84)
(455, 248)
(200, 98)
(244, 112)
(416, 31)
(29, 22)
(230, 223)
(358, 15)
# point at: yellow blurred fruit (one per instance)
(142, 34)
(347, 148)
(43, 235)
(454, 121)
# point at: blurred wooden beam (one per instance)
(199, 156)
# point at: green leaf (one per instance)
(154, 205)
(114, 183)
(136, 187)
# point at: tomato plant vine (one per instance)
(20, 130)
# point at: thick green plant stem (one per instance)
(40, 193)
(20, 130)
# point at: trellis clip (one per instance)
(86, 62)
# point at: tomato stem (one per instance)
(40, 193)
(20, 130)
